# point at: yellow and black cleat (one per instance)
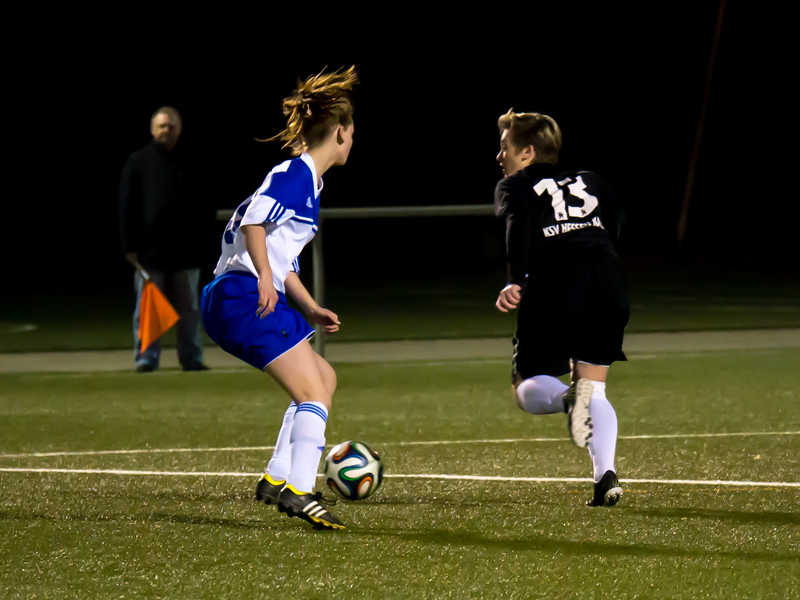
(268, 489)
(308, 507)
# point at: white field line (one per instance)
(717, 482)
(667, 436)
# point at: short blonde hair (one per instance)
(533, 129)
(319, 104)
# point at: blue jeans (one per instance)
(180, 288)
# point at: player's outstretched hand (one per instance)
(323, 316)
(267, 298)
(509, 298)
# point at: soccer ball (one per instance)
(353, 470)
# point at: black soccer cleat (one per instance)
(576, 405)
(268, 489)
(607, 491)
(308, 507)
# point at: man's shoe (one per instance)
(576, 405)
(268, 489)
(195, 366)
(607, 491)
(144, 368)
(307, 507)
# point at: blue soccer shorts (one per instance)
(228, 305)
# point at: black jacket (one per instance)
(161, 208)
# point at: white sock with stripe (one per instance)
(308, 442)
(279, 466)
(541, 395)
(603, 444)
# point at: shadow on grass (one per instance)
(464, 502)
(779, 518)
(151, 517)
(468, 539)
(456, 539)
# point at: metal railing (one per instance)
(387, 212)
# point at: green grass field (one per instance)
(187, 536)
(441, 306)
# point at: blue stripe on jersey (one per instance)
(303, 219)
(272, 211)
(275, 213)
(306, 407)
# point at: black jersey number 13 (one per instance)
(556, 191)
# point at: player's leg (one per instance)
(540, 355)
(328, 374)
(299, 372)
(589, 387)
(540, 394)
(578, 402)
(148, 360)
(277, 471)
(183, 286)
(602, 322)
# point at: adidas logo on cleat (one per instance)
(308, 507)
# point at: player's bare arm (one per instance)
(255, 240)
(315, 313)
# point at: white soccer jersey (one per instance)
(287, 204)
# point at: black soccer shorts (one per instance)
(573, 307)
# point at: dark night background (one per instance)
(625, 85)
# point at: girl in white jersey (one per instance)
(244, 309)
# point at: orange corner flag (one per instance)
(156, 315)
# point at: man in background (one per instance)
(158, 222)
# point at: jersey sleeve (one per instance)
(276, 201)
(295, 268)
(512, 203)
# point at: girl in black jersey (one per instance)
(564, 278)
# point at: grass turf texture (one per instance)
(411, 308)
(84, 536)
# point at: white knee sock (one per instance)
(308, 442)
(278, 467)
(603, 444)
(541, 395)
